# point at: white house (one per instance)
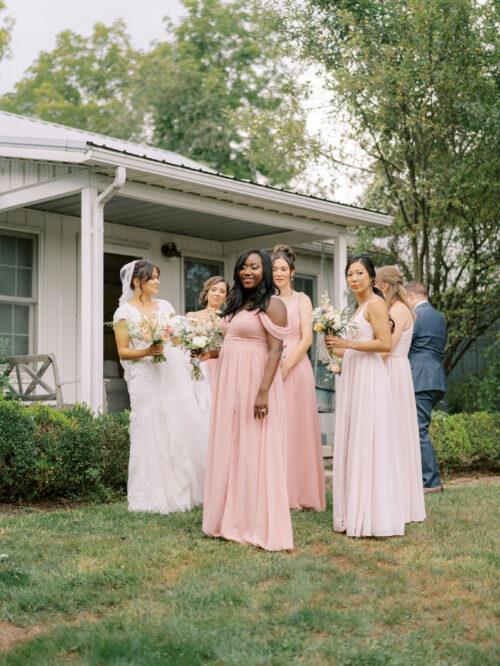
(75, 206)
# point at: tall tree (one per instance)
(419, 79)
(83, 82)
(220, 90)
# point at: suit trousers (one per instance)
(425, 402)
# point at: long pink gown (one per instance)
(305, 471)
(404, 413)
(246, 497)
(367, 499)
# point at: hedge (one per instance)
(466, 442)
(48, 453)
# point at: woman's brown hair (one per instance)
(207, 285)
(391, 276)
(284, 252)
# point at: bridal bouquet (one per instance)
(144, 331)
(330, 321)
(158, 334)
(199, 336)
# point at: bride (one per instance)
(168, 431)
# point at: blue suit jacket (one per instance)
(427, 350)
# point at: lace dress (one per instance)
(168, 430)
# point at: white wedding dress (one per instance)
(168, 430)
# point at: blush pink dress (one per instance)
(305, 471)
(246, 497)
(367, 497)
(404, 414)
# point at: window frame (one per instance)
(33, 302)
(193, 256)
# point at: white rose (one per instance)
(199, 341)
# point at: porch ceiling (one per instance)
(169, 219)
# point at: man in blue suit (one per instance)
(429, 379)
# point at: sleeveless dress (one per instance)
(404, 413)
(168, 431)
(367, 499)
(246, 497)
(305, 471)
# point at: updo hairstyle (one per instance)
(284, 252)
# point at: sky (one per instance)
(37, 22)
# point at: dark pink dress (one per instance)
(246, 497)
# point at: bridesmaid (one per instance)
(366, 486)
(305, 472)
(212, 298)
(404, 410)
(246, 496)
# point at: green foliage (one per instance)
(47, 453)
(83, 82)
(466, 442)
(220, 91)
(6, 25)
(479, 391)
(419, 81)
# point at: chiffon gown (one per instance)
(367, 498)
(404, 413)
(246, 497)
(305, 471)
(168, 431)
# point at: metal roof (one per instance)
(13, 126)
(26, 131)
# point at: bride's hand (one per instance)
(155, 350)
(332, 341)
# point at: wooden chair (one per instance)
(26, 367)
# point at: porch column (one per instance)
(339, 263)
(91, 386)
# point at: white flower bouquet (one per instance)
(327, 320)
(198, 336)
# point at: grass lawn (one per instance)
(97, 585)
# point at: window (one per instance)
(306, 284)
(17, 293)
(196, 271)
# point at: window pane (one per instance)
(6, 324)
(7, 281)
(21, 345)
(6, 345)
(196, 271)
(8, 250)
(24, 282)
(21, 319)
(25, 252)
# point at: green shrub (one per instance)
(466, 442)
(45, 452)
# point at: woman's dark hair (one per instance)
(143, 270)
(207, 285)
(367, 262)
(257, 299)
(284, 252)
